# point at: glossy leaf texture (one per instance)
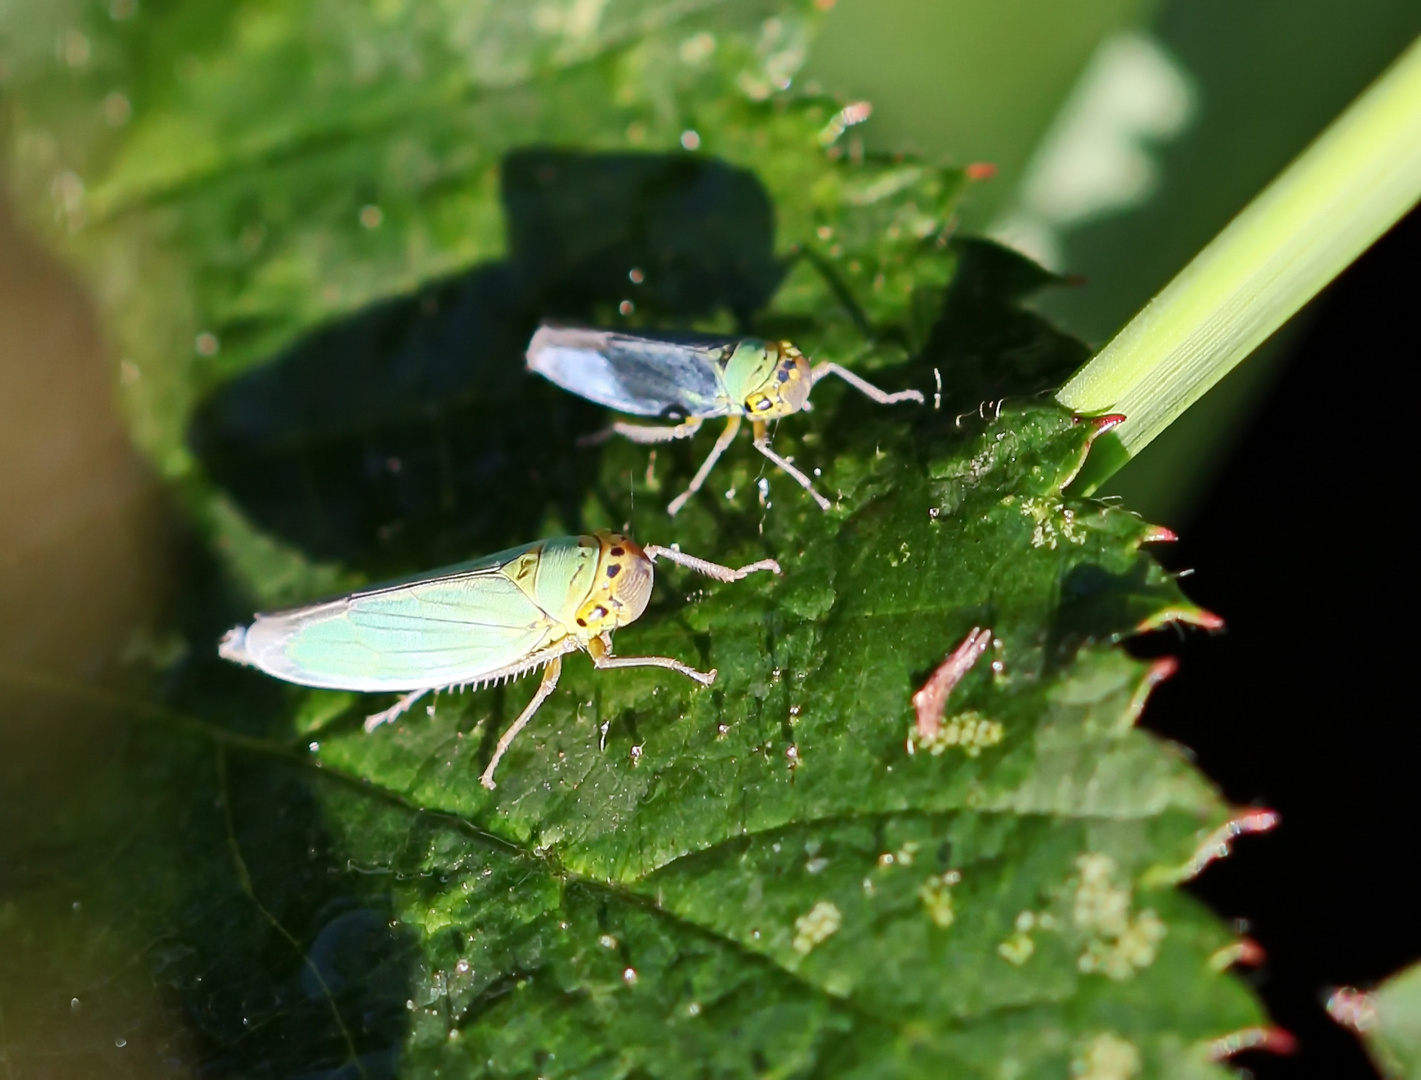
(321, 271)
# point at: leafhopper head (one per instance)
(774, 379)
(621, 589)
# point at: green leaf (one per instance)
(771, 876)
(1388, 1019)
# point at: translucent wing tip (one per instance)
(551, 335)
(233, 646)
(536, 345)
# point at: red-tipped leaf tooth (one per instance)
(1155, 674)
(1353, 1008)
(931, 701)
(1271, 1040)
(1245, 952)
(1250, 953)
(1189, 614)
(1163, 668)
(1219, 843)
(1101, 424)
(1207, 620)
(1159, 534)
(980, 170)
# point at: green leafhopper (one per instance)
(691, 380)
(472, 624)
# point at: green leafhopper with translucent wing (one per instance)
(476, 623)
(691, 380)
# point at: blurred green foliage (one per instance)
(964, 81)
(969, 82)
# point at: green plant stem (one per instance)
(1356, 180)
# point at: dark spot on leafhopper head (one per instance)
(784, 375)
(581, 622)
(618, 552)
(613, 570)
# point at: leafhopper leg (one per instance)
(649, 434)
(732, 428)
(546, 687)
(863, 386)
(710, 569)
(645, 434)
(596, 438)
(395, 711)
(602, 657)
(762, 444)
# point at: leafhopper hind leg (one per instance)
(732, 428)
(395, 711)
(705, 566)
(546, 687)
(863, 386)
(601, 650)
(646, 434)
(762, 444)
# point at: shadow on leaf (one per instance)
(411, 432)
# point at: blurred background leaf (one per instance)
(1130, 135)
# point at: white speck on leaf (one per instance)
(1106, 1057)
(820, 924)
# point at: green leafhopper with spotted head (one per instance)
(476, 623)
(691, 380)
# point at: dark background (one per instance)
(1302, 703)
